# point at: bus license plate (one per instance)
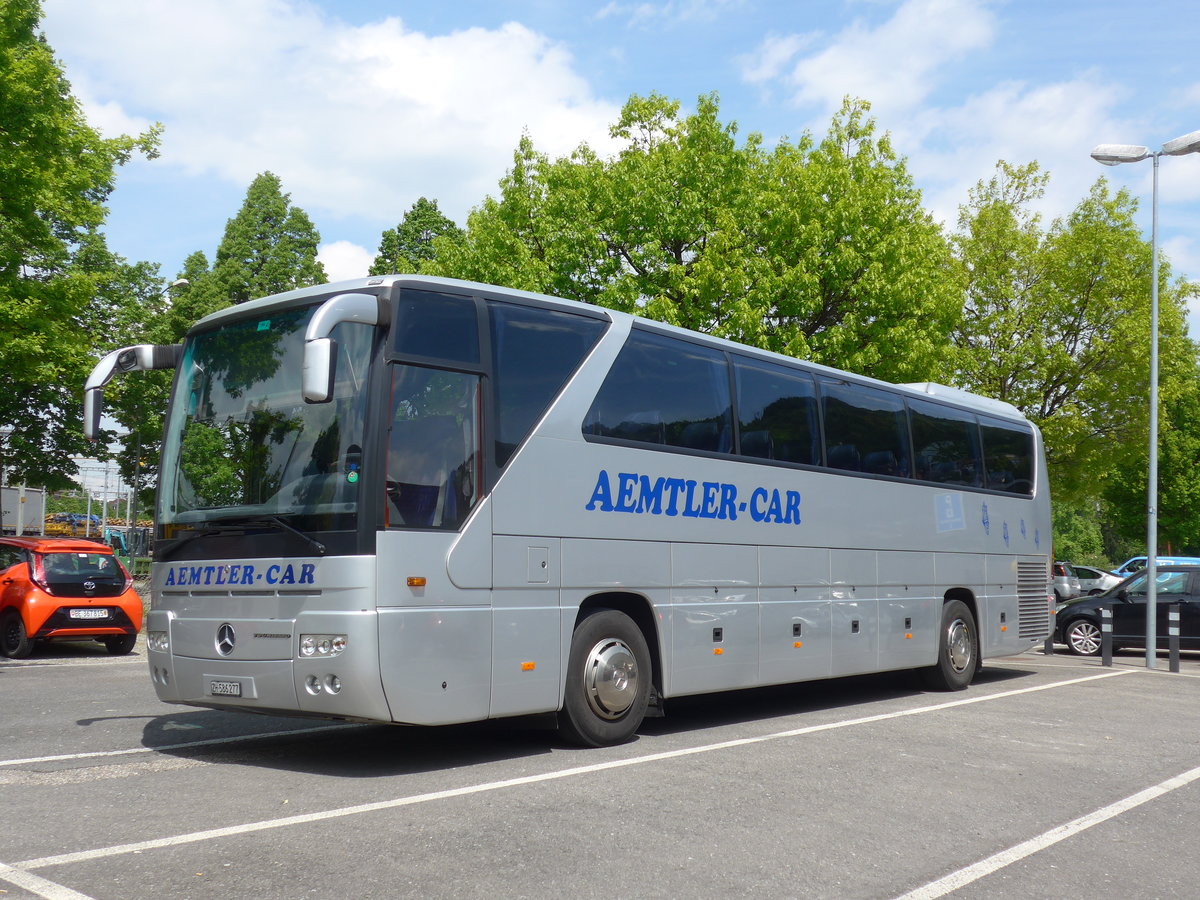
(89, 614)
(225, 688)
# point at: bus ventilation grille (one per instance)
(1033, 607)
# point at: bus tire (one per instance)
(608, 681)
(14, 642)
(958, 650)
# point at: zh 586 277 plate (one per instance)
(225, 688)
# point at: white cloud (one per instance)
(772, 56)
(343, 260)
(894, 64)
(352, 118)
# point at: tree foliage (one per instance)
(816, 249)
(58, 280)
(408, 245)
(1178, 508)
(1056, 321)
(269, 246)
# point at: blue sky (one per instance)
(362, 106)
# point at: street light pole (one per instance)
(1114, 155)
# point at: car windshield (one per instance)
(241, 440)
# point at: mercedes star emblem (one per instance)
(225, 639)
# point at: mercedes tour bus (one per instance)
(427, 501)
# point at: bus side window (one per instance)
(946, 444)
(778, 412)
(535, 352)
(665, 391)
(866, 429)
(1008, 456)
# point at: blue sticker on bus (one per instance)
(630, 492)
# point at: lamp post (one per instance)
(1114, 155)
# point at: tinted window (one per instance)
(433, 471)
(10, 556)
(778, 412)
(534, 352)
(1008, 457)
(665, 391)
(439, 326)
(865, 429)
(946, 444)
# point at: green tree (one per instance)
(405, 247)
(1126, 491)
(57, 278)
(270, 246)
(816, 249)
(1056, 322)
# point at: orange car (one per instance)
(64, 589)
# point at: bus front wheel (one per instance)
(958, 650)
(608, 681)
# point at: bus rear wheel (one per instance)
(608, 681)
(958, 650)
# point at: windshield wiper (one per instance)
(241, 523)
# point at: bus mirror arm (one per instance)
(140, 357)
(320, 351)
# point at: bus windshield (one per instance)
(242, 442)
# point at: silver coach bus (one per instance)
(426, 501)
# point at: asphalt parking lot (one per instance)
(1049, 777)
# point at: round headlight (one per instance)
(308, 646)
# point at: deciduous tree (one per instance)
(816, 249)
(58, 281)
(1056, 321)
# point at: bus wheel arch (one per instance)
(958, 650)
(609, 674)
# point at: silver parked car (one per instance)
(1094, 581)
(1066, 583)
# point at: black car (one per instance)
(1077, 624)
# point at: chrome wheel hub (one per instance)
(610, 678)
(958, 646)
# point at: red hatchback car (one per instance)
(64, 589)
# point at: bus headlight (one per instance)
(158, 640)
(322, 646)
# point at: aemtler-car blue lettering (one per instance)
(663, 496)
(179, 576)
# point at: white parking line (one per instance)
(207, 742)
(972, 873)
(38, 885)
(249, 827)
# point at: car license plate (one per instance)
(225, 688)
(92, 613)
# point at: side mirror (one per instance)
(1123, 595)
(320, 351)
(140, 357)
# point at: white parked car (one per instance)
(1094, 581)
